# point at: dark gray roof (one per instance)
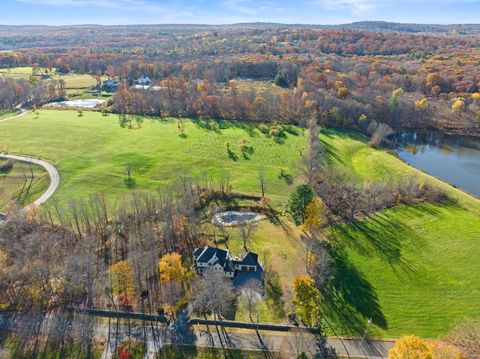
(205, 254)
(250, 259)
(243, 278)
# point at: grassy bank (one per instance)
(413, 269)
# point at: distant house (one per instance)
(110, 85)
(144, 81)
(221, 260)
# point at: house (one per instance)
(144, 81)
(221, 260)
(110, 85)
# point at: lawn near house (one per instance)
(412, 269)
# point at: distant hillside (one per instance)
(377, 26)
(382, 26)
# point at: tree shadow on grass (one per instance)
(330, 153)
(350, 299)
(382, 236)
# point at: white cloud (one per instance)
(249, 7)
(355, 6)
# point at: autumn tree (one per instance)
(421, 104)
(123, 284)
(458, 105)
(411, 347)
(314, 215)
(306, 299)
(171, 268)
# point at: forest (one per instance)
(348, 78)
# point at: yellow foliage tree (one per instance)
(171, 268)
(476, 97)
(362, 118)
(122, 279)
(397, 92)
(306, 299)
(410, 347)
(343, 92)
(314, 216)
(458, 104)
(421, 104)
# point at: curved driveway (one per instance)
(52, 172)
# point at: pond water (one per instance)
(77, 103)
(234, 218)
(454, 159)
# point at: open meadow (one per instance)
(409, 268)
(75, 84)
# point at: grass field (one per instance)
(75, 84)
(6, 113)
(92, 153)
(412, 269)
(11, 184)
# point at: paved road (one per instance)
(52, 172)
(22, 113)
(157, 335)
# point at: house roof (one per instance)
(205, 254)
(223, 258)
(250, 259)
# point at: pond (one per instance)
(77, 103)
(455, 159)
(235, 218)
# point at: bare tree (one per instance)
(213, 293)
(466, 337)
(299, 343)
(312, 161)
(246, 229)
(381, 132)
(262, 181)
(251, 293)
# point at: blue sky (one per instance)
(65, 12)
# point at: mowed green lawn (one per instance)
(92, 153)
(413, 269)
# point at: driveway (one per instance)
(52, 172)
